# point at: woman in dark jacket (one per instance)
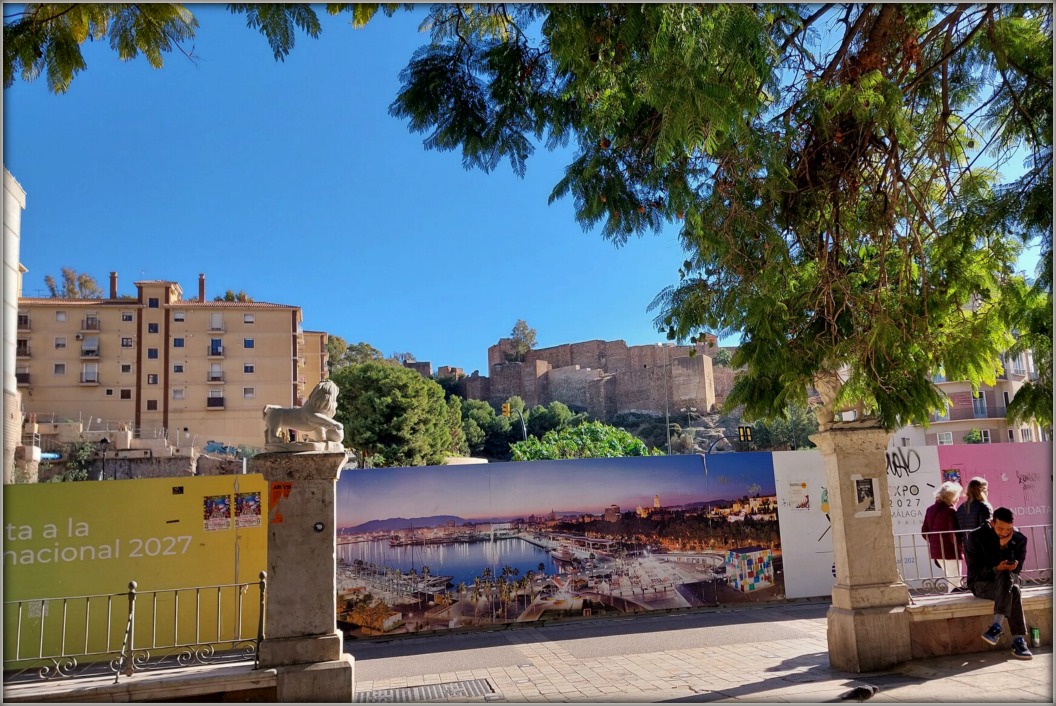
(975, 511)
(940, 530)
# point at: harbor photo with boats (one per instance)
(436, 548)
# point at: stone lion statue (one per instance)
(316, 416)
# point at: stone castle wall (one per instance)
(602, 378)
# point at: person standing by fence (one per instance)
(975, 511)
(940, 531)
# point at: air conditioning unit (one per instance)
(78, 337)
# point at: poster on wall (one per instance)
(447, 547)
(865, 494)
(247, 509)
(217, 512)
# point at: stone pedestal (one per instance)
(301, 639)
(867, 626)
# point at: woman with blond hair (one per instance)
(940, 530)
(975, 511)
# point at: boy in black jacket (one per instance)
(995, 553)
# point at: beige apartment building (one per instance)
(189, 370)
(983, 411)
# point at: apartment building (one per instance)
(190, 370)
(983, 411)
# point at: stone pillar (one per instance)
(868, 629)
(301, 639)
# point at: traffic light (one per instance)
(505, 409)
(744, 435)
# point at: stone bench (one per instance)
(952, 623)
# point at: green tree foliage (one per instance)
(523, 339)
(341, 354)
(487, 433)
(46, 38)
(80, 459)
(74, 286)
(589, 440)
(233, 296)
(542, 419)
(395, 416)
(828, 165)
(1030, 315)
(788, 432)
(974, 436)
(722, 357)
(459, 445)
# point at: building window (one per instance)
(985, 434)
(905, 441)
(60, 315)
(1011, 436)
(60, 342)
(247, 342)
(152, 328)
(177, 393)
(152, 405)
(1026, 434)
(126, 341)
(60, 369)
(216, 346)
(126, 367)
(945, 438)
(153, 303)
(152, 378)
(248, 368)
(1007, 398)
(179, 315)
(247, 393)
(126, 394)
(126, 315)
(177, 343)
(109, 392)
(247, 318)
(90, 372)
(177, 367)
(152, 353)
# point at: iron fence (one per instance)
(928, 576)
(133, 631)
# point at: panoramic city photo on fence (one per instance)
(422, 549)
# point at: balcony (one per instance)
(23, 323)
(960, 414)
(90, 352)
(89, 378)
(215, 377)
(214, 352)
(22, 350)
(22, 378)
(214, 402)
(216, 327)
(90, 324)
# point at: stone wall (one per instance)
(602, 378)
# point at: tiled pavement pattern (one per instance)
(761, 654)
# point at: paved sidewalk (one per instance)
(759, 654)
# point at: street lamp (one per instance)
(104, 444)
(667, 386)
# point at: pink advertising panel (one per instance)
(1019, 475)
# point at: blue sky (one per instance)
(289, 180)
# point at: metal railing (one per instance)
(926, 576)
(130, 632)
(960, 414)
